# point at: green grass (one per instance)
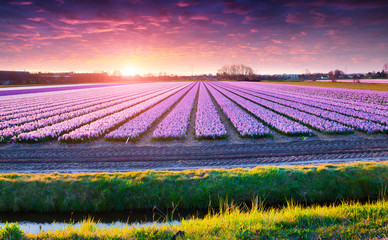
(362, 86)
(191, 189)
(346, 221)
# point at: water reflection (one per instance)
(33, 222)
(34, 227)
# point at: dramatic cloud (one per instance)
(272, 36)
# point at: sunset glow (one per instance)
(185, 37)
(129, 71)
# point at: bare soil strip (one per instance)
(112, 157)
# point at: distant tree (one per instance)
(313, 77)
(338, 73)
(356, 78)
(236, 72)
(334, 75)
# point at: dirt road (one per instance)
(112, 157)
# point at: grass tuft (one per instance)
(11, 231)
(350, 220)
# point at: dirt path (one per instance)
(111, 157)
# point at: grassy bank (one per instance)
(362, 86)
(346, 221)
(191, 189)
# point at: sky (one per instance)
(193, 37)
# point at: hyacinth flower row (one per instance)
(174, 126)
(349, 94)
(312, 93)
(12, 105)
(325, 106)
(276, 121)
(60, 112)
(358, 106)
(135, 127)
(207, 121)
(55, 130)
(39, 98)
(32, 103)
(351, 107)
(245, 124)
(102, 125)
(347, 107)
(53, 101)
(321, 124)
(360, 124)
(8, 133)
(66, 112)
(48, 108)
(361, 97)
(31, 113)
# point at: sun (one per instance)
(129, 71)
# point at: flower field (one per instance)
(166, 111)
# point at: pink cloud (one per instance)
(59, 37)
(303, 58)
(319, 18)
(330, 32)
(249, 48)
(219, 22)
(183, 4)
(21, 3)
(301, 50)
(36, 19)
(187, 3)
(17, 35)
(249, 19)
(273, 50)
(276, 41)
(102, 30)
(316, 19)
(91, 21)
(27, 26)
(182, 20)
(140, 28)
(234, 7)
(199, 17)
(357, 59)
(298, 36)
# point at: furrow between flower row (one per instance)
(135, 127)
(174, 126)
(55, 130)
(348, 108)
(275, 120)
(359, 124)
(8, 133)
(63, 112)
(207, 121)
(245, 124)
